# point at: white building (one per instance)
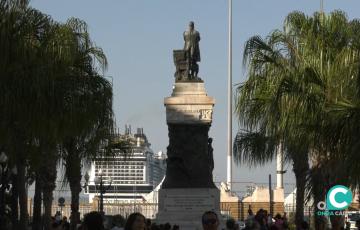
(131, 173)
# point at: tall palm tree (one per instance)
(266, 106)
(89, 114)
(22, 30)
(38, 56)
(294, 77)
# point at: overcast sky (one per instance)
(138, 37)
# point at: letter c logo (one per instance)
(338, 198)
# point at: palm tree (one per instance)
(42, 60)
(266, 107)
(89, 114)
(22, 30)
(294, 76)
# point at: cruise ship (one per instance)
(132, 171)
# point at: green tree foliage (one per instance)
(303, 91)
(54, 102)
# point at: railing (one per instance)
(149, 210)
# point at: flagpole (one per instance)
(229, 144)
(321, 6)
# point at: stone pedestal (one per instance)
(185, 207)
(188, 189)
(189, 116)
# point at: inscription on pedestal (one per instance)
(189, 203)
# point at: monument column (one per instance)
(189, 115)
(188, 189)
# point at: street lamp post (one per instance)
(61, 203)
(86, 177)
(102, 189)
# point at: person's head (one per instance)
(118, 221)
(64, 219)
(93, 221)
(79, 226)
(191, 25)
(148, 223)
(230, 224)
(304, 225)
(167, 226)
(58, 217)
(154, 227)
(210, 220)
(278, 216)
(56, 226)
(136, 221)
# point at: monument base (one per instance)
(185, 207)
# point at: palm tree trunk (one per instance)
(14, 202)
(300, 168)
(73, 172)
(48, 198)
(49, 185)
(23, 223)
(318, 190)
(337, 222)
(75, 214)
(36, 224)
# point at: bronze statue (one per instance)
(192, 38)
(186, 60)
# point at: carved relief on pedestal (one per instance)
(184, 114)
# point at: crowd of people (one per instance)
(58, 223)
(262, 220)
(210, 221)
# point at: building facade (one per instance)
(131, 172)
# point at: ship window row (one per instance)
(122, 165)
(129, 182)
(120, 171)
(125, 170)
(127, 174)
(119, 167)
(124, 174)
(125, 164)
(115, 178)
(119, 163)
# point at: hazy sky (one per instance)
(138, 37)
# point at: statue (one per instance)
(186, 60)
(192, 38)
